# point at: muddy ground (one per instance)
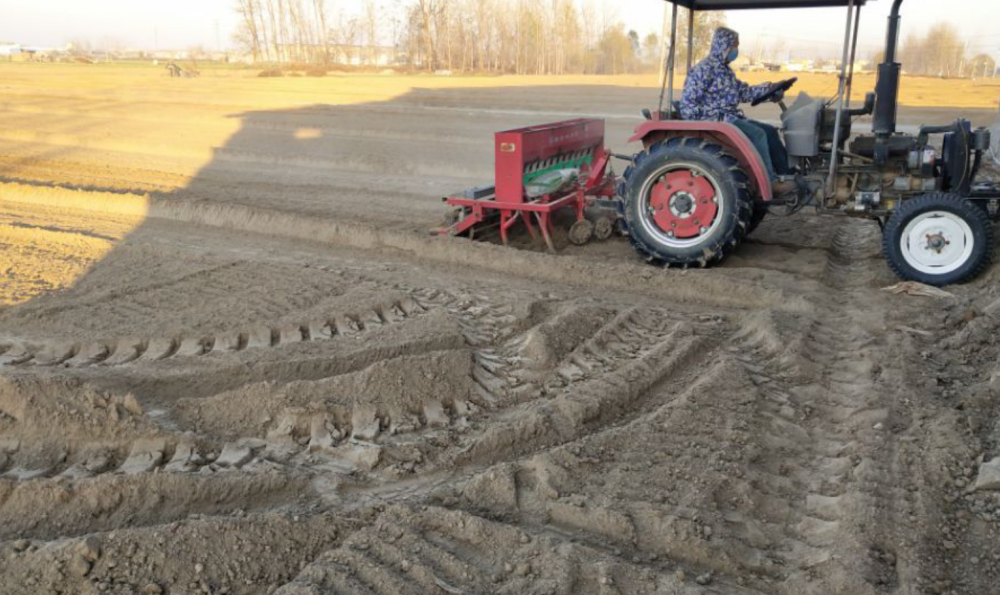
(232, 360)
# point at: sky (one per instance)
(823, 28)
(180, 24)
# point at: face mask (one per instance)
(733, 54)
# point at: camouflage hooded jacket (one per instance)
(712, 92)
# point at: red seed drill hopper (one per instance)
(540, 170)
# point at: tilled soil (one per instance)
(264, 376)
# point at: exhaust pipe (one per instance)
(887, 87)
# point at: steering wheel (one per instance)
(774, 90)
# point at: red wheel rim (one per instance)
(683, 205)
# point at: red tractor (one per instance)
(697, 189)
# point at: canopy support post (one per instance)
(669, 80)
(831, 183)
(690, 41)
(854, 53)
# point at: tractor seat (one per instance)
(648, 114)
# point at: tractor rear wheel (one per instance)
(686, 202)
(938, 239)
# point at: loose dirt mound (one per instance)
(395, 395)
(200, 555)
(43, 420)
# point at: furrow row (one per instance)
(135, 350)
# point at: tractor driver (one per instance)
(713, 93)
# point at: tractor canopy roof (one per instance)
(759, 4)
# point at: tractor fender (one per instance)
(723, 133)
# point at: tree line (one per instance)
(942, 52)
(490, 36)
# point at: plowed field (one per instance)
(233, 360)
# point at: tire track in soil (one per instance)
(588, 405)
(603, 381)
(635, 339)
(814, 466)
(637, 347)
(625, 363)
(807, 479)
(242, 467)
(174, 453)
(112, 502)
(482, 323)
(402, 552)
(437, 550)
(184, 472)
(132, 350)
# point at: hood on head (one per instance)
(722, 41)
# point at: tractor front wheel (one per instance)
(938, 239)
(686, 203)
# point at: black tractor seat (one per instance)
(664, 115)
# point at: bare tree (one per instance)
(617, 53)
(428, 11)
(939, 53)
(323, 30)
(508, 36)
(982, 65)
(705, 24)
(371, 22)
(945, 50)
(248, 34)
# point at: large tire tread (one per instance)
(732, 178)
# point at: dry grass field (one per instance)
(233, 360)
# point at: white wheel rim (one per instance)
(937, 242)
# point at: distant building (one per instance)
(797, 66)
(9, 51)
(171, 55)
(861, 65)
(742, 63)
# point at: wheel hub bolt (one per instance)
(936, 242)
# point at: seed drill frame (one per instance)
(523, 156)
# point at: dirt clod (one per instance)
(988, 477)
